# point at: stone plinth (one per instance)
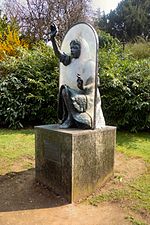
(73, 162)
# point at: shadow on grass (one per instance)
(19, 191)
(19, 131)
(126, 138)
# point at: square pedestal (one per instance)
(73, 162)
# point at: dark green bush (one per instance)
(29, 87)
(125, 88)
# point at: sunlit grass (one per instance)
(16, 146)
(135, 221)
(136, 193)
(137, 144)
(139, 191)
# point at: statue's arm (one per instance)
(65, 59)
(56, 48)
(53, 32)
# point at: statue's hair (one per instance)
(75, 41)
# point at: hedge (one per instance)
(29, 87)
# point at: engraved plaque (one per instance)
(52, 151)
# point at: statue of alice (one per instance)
(77, 98)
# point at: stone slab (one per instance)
(73, 162)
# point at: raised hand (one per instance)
(50, 34)
(53, 30)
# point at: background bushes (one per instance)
(139, 50)
(10, 37)
(29, 88)
(125, 86)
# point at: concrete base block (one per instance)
(73, 162)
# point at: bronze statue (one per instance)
(76, 101)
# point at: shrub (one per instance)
(10, 38)
(139, 50)
(9, 43)
(124, 89)
(29, 87)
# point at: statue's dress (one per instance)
(80, 102)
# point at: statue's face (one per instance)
(75, 50)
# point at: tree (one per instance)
(130, 19)
(36, 16)
(10, 39)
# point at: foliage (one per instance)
(3, 22)
(9, 43)
(107, 41)
(9, 38)
(139, 50)
(124, 88)
(29, 87)
(130, 19)
(36, 16)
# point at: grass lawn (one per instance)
(135, 193)
(16, 150)
(16, 145)
(137, 145)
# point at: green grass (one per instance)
(134, 221)
(112, 196)
(139, 191)
(136, 145)
(136, 193)
(15, 146)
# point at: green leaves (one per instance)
(29, 86)
(129, 20)
(125, 89)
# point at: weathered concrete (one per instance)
(74, 163)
